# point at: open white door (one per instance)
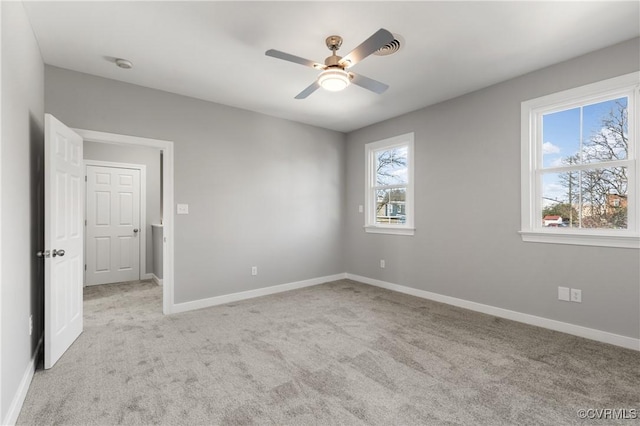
(63, 239)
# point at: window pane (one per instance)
(391, 205)
(560, 198)
(605, 131)
(391, 166)
(604, 198)
(592, 198)
(560, 138)
(602, 127)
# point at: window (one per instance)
(389, 189)
(580, 165)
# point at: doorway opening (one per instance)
(110, 147)
(120, 200)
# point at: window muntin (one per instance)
(580, 165)
(389, 192)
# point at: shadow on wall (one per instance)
(36, 174)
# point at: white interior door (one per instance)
(113, 225)
(63, 206)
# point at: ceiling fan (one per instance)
(334, 75)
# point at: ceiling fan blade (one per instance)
(370, 45)
(368, 83)
(293, 58)
(309, 90)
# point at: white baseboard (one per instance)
(156, 279)
(234, 297)
(16, 404)
(564, 327)
(146, 277)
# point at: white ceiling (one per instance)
(215, 50)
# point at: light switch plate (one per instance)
(564, 294)
(183, 209)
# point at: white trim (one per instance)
(569, 97)
(531, 229)
(167, 206)
(142, 258)
(21, 393)
(370, 225)
(156, 279)
(581, 239)
(146, 276)
(250, 294)
(390, 229)
(576, 330)
(3, 143)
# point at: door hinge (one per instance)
(85, 222)
(85, 178)
(85, 267)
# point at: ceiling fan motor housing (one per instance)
(333, 61)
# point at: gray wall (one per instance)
(21, 199)
(467, 172)
(149, 157)
(261, 191)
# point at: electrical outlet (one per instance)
(360, 208)
(382, 263)
(576, 295)
(254, 270)
(564, 293)
(30, 325)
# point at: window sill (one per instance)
(592, 238)
(395, 230)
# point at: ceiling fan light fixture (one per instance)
(334, 79)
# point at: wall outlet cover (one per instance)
(576, 295)
(182, 209)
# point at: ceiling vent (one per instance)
(391, 47)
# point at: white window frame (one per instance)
(532, 112)
(370, 225)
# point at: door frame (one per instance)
(142, 256)
(166, 147)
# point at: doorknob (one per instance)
(43, 253)
(55, 253)
(135, 230)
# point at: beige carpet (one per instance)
(337, 353)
